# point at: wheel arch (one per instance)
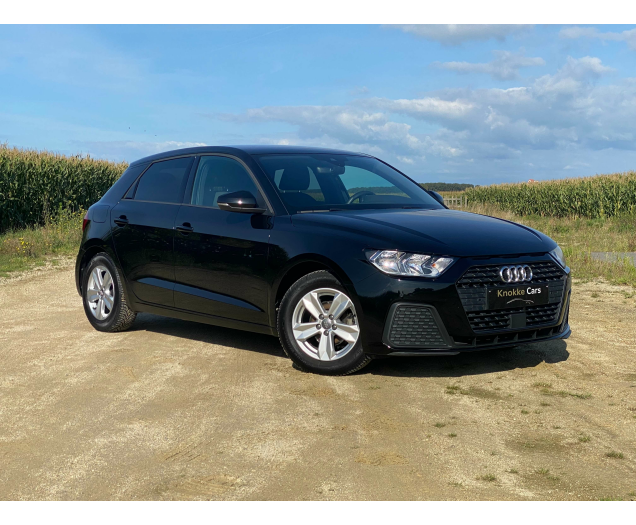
(299, 267)
(90, 251)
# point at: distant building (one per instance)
(531, 180)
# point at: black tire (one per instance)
(121, 316)
(349, 363)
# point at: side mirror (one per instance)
(437, 197)
(239, 201)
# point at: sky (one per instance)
(480, 104)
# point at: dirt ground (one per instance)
(178, 410)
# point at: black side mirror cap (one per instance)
(239, 201)
(437, 197)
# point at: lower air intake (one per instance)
(414, 326)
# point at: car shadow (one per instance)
(471, 363)
(464, 364)
(205, 333)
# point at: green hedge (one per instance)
(35, 185)
(590, 197)
(446, 186)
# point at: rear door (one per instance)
(221, 256)
(143, 230)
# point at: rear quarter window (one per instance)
(164, 181)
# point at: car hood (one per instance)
(439, 232)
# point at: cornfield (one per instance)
(591, 197)
(35, 186)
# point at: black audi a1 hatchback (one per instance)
(340, 255)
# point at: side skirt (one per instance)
(203, 318)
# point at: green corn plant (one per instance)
(35, 185)
(601, 196)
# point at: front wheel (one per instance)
(318, 326)
(103, 294)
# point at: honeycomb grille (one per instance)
(480, 276)
(476, 299)
(500, 319)
(415, 326)
(473, 292)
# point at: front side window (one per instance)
(325, 181)
(164, 181)
(217, 176)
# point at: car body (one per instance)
(189, 260)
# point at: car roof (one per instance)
(246, 150)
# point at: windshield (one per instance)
(326, 182)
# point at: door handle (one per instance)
(121, 221)
(185, 228)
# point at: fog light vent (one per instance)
(414, 326)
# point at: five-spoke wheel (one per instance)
(101, 292)
(104, 298)
(325, 324)
(319, 327)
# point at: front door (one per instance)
(143, 230)
(221, 256)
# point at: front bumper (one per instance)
(448, 316)
(564, 334)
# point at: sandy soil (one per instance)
(178, 410)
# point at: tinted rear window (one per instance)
(164, 181)
(128, 177)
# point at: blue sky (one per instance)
(480, 104)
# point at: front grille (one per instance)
(500, 319)
(473, 285)
(476, 276)
(414, 326)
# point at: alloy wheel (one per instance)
(100, 293)
(325, 324)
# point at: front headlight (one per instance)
(557, 255)
(409, 264)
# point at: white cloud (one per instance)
(429, 107)
(324, 141)
(505, 66)
(578, 32)
(569, 79)
(585, 67)
(354, 126)
(360, 90)
(576, 165)
(575, 32)
(566, 115)
(455, 34)
(406, 160)
(130, 150)
(347, 125)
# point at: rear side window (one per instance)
(217, 176)
(164, 181)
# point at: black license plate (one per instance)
(517, 296)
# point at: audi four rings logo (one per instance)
(515, 274)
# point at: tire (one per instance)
(105, 302)
(325, 350)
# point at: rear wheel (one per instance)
(318, 326)
(103, 295)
